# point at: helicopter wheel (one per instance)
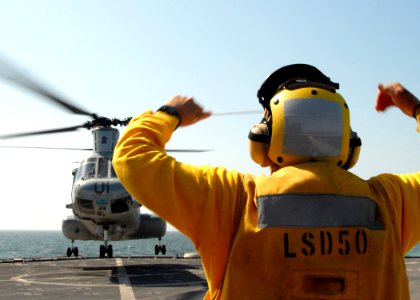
(109, 251)
(159, 248)
(72, 250)
(102, 251)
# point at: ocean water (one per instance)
(415, 252)
(31, 244)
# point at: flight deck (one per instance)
(116, 278)
(126, 278)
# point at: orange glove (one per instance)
(395, 94)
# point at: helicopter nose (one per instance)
(101, 197)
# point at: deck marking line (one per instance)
(126, 291)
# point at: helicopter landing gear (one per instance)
(160, 248)
(105, 249)
(73, 250)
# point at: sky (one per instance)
(120, 58)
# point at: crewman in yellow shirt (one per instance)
(309, 230)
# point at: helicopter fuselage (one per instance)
(102, 208)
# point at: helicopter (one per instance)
(102, 209)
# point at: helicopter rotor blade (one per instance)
(91, 149)
(245, 112)
(46, 148)
(12, 74)
(57, 130)
(187, 150)
(100, 121)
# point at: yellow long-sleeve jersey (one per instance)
(310, 231)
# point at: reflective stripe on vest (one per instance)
(317, 210)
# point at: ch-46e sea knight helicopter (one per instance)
(102, 208)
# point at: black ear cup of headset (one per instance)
(259, 143)
(354, 150)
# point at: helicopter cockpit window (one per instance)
(87, 169)
(96, 167)
(103, 164)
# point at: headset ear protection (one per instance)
(354, 150)
(291, 77)
(259, 143)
